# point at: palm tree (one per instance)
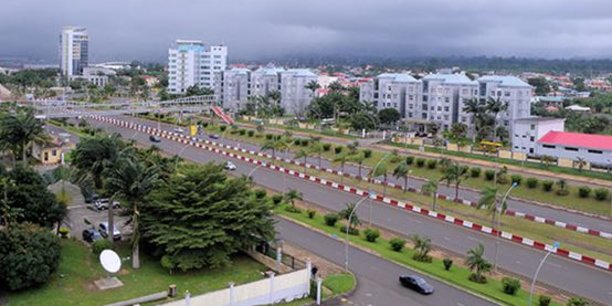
(346, 213)
(352, 147)
(380, 170)
(401, 171)
(455, 174)
(312, 86)
(94, 154)
(292, 195)
(358, 158)
(317, 149)
(302, 153)
(422, 246)
(274, 145)
(431, 187)
(580, 163)
(131, 181)
(21, 130)
(489, 200)
(476, 261)
(341, 159)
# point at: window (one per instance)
(532, 139)
(596, 151)
(571, 149)
(446, 108)
(446, 99)
(533, 127)
(548, 146)
(53, 152)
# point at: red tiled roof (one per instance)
(591, 141)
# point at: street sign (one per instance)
(556, 244)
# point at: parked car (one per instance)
(154, 138)
(102, 204)
(91, 234)
(91, 197)
(214, 136)
(179, 130)
(230, 166)
(104, 231)
(416, 283)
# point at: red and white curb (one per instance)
(404, 205)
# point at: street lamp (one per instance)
(179, 154)
(253, 170)
(346, 241)
(498, 210)
(555, 246)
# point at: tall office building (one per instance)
(74, 50)
(191, 62)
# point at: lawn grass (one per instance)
(458, 275)
(72, 284)
(340, 283)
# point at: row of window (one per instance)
(572, 149)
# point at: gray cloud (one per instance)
(144, 29)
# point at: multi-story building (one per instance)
(527, 132)
(265, 80)
(295, 97)
(443, 98)
(233, 87)
(510, 90)
(74, 50)
(392, 90)
(191, 63)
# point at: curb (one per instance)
(404, 205)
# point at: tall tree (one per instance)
(304, 154)
(431, 187)
(380, 170)
(358, 158)
(389, 116)
(455, 174)
(346, 214)
(489, 200)
(292, 195)
(402, 171)
(94, 154)
(22, 129)
(476, 261)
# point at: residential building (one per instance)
(399, 91)
(233, 87)
(74, 50)
(595, 149)
(295, 97)
(266, 79)
(95, 75)
(527, 131)
(48, 152)
(443, 98)
(192, 63)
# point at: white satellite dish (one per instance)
(110, 261)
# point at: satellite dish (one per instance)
(110, 261)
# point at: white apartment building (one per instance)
(392, 90)
(511, 90)
(73, 50)
(233, 87)
(527, 132)
(294, 95)
(191, 63)
(266, 79)
(443, 97)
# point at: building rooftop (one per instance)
(302, 72)
(568, 139)
(455, 78)
(270, 70)
(398, 77)
(538, 119)
(239, 70)
(504, 80)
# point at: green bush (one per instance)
(420, 162)
(397, 244)
(241, 132)
(251, 133)
(544, 300)
(584, 191)
(293, 209)
(601, 194)
(205, 124)
(532, 182)
(367, 153)
(222, 128)
(547, 185)
(431, 164)
(448, 263)
(371, 234)
(511, 285)
(260, 193)
(304, 142)
(296, 141)
(409, 160)
(475, 172)
(269, 136)
(326, 147)
(502, 179)
(331, 219)
(489, 175)
(311, 213)
(100, 245)
(516, 179)
(577, 301)
(338, 150)
(352, 231)
(277, 199)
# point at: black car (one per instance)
(91, 234)
(416, 283)
(154, 138)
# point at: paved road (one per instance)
(557, 272)
(537, 210)
(377, 279)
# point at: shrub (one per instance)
(532, 182)
(311, 213)
(544, 300)
(326, 147)
(367, 153)
(502, 179)
(478, 279)
(577, 301)
(448, 263)
(431, 164)
(371, 234)
(584, 191)
(331, 219)
(352, 231)
(511, 285)
(304, 142)
(63, 231)
(601, 194)
(475, 172)
(547, 185)
(397, 244)
(489, 175)
(241, 132)
(410, 160)
(260, 193)
(223, 128)
(420, 162)
(338, 150)
(205, 124)
(269, 136)
(100, 245)
(277, 199)
(250, 133)
(516, 179)
(296, 141)
(293, 209)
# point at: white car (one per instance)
(230, 166)
(104, 231)
(179, 130)
(101, 204)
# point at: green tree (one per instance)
(476, 262)
(358, 158)
(380, 170)
(402, 171)
(489, 200)
(317, 149)
(304, 154)
(21, 130)
(389, 116)
(542, 87)
(431, 187)
(341, 159)
(422, 246)
(292, 195)
(346, 213)
(455, 174)
(200, 218)
(94, 154)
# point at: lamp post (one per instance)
(498, 210)
(179, 154)
(346, 241)
(253, 170)
(555, 246)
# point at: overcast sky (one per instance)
(144, 29)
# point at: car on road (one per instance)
(91, 234)
(213, 136)
(229, 166)
(179, 130)
(101, 204)
(154, 138)
(416, 283)
(104, 231)
(91, 198)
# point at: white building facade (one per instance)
(73, 50)
(527, 132)
(192, 63)
(399, 91)
(595, 149)
(265, 80)
(295, 97)
(233, 87)
(444, 96)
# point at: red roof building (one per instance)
(596, 149)
(579, 140)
